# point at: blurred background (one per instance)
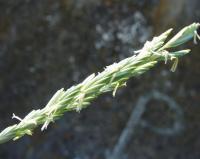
(46, 45)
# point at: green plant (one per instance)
(113, 77)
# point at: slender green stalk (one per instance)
(113, 77)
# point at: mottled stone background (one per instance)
(49, 44)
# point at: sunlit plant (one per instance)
(110, 79)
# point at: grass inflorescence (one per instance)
(110, 79)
